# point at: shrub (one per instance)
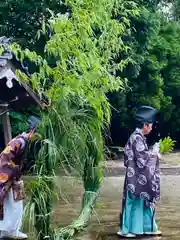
(167, 145)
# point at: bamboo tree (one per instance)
(82, 58)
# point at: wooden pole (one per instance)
(6, 122)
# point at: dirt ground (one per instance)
(105, 221)
(104, 224)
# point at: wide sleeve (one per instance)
(143, 155)
(8, 167)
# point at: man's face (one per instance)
(147, 128)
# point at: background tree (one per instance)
(152, 76)
(22, 20)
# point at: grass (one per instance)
(65, 209)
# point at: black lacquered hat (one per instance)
(146, 114)
(34, 122)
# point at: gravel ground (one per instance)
(105, 221)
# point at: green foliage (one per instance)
(172, 9)
(167, 145)
(145, 85)
(19, 123)
(78, 69)
(153, 78)
(23, 19)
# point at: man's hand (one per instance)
(156, 147)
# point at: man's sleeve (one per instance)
(8, 168)
(143, 156)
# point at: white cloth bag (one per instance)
(13, 213)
